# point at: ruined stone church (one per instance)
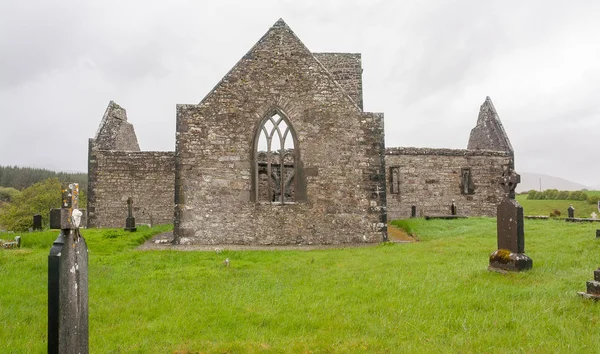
(281, 152)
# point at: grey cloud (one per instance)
(427, 65)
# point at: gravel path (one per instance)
(163, 242)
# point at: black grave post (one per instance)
(68, 279)
(413, 211)
(37, 222)
(130, 221)
(453, 208)
(571, 211)
(510, 255)
(592, 287)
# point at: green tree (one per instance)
(37, 199)
(8, 194)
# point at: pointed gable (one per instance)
(283, 50)
(489, 133)
(115, 132)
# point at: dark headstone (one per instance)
(597, 233)
(37, 222)
(413, 211)
(510, 255)
(592, 287)
(68, 281)
(130, 221)
(452, 208)
(571, 211)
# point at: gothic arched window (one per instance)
(275, 161)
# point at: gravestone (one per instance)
(413, 211)
(571, 211)
(37, 222)
(597, 233)
(510, 255)
(592, 287)
(594, 215)
(68, 279)
(130, 221)
(452, 208)
(18, 241)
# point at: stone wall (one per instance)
(432, 178)
(346, 69)
(115, 132)
(489, 133)
(340, 155)
(113, 176)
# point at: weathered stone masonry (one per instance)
(339, 145)
(431, 178)
(118, 170)
(335, 183)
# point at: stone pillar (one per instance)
(510, 255)
(571, 211)
(37, 222)
(68, 279)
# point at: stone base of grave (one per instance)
(507, 261)
(581, 220)
(592, 287)
(444, 217)
(130, 224)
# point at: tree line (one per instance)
(26, 191)
(23, 177)
(555, 194)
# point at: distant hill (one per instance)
(531, 181)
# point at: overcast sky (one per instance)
(428, 65)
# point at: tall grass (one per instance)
(435, 295)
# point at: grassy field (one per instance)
(583, 209)
(435, 295)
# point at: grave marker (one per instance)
(68, 279)
(592, 287)
(130, 221)
(37, 222)
(571, 211)
(510, 255)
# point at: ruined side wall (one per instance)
(346, 69)
(431, 178)
(113, 176)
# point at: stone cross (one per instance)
(510, 231)
(68, 279)
(509, 181)
(130, 221)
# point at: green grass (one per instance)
(431, 296)
(583, 209)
